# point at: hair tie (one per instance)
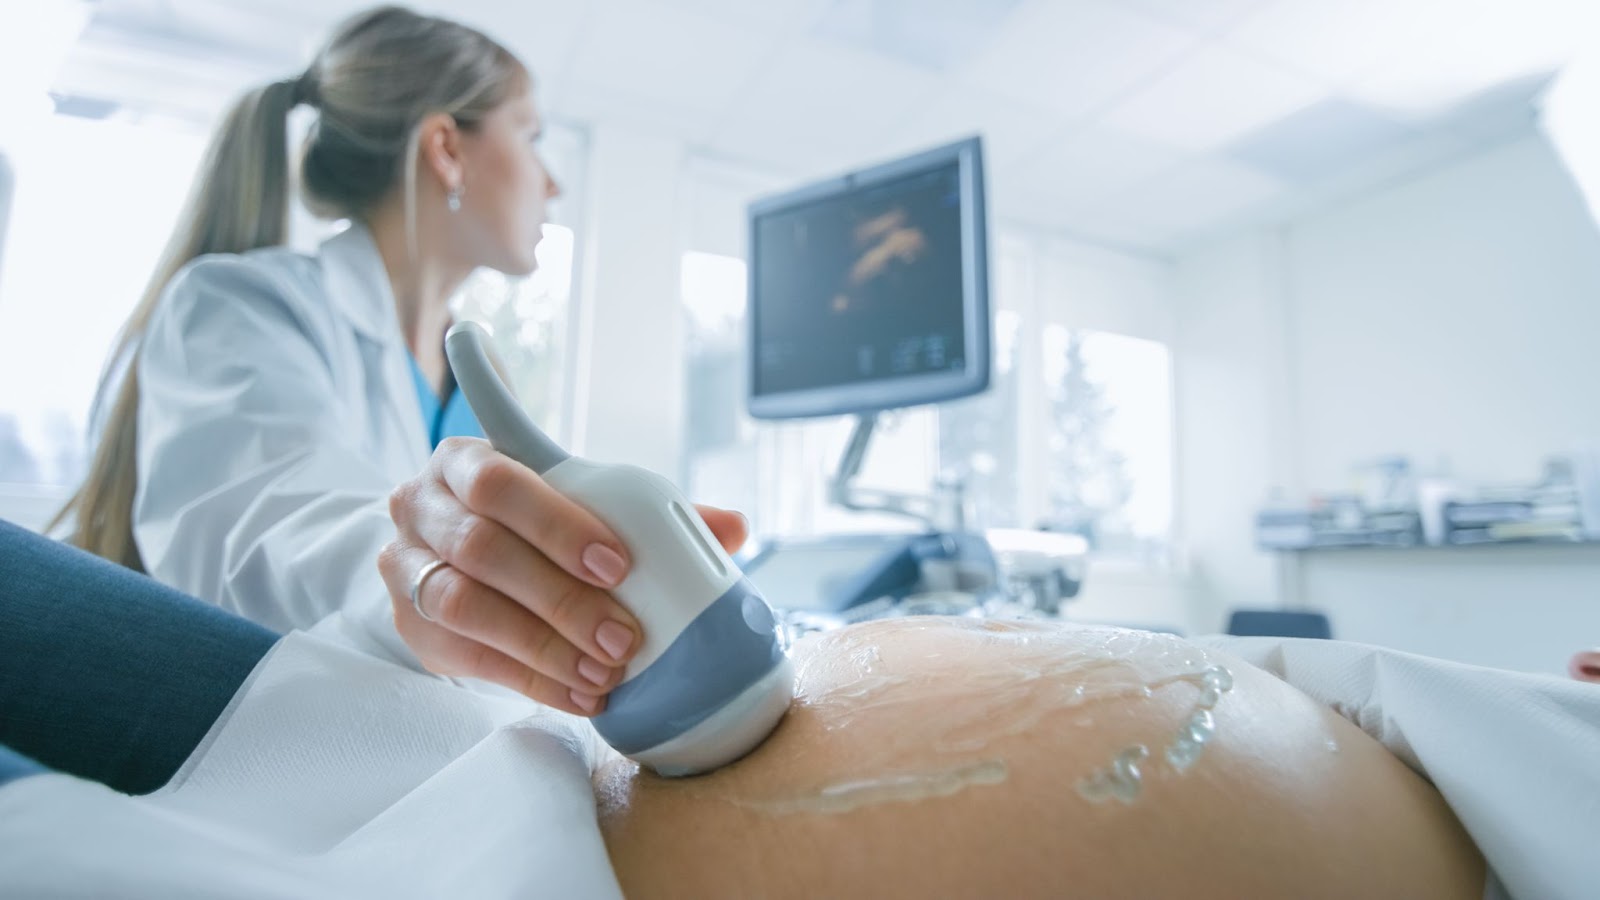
(305, 88)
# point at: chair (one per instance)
(1279, 623)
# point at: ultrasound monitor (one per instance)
(869, 291)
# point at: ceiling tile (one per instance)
(197, 91)
(799, 154)
(1075, 56)
(544, 34)
(294, 36)
(1032, 209)
(590, 103)
(1419, 153)
(1212, 97)
(1319, 141)
(1089, 107)
(1204, 15)
(795, 16)
(1010, 130)
(1092, 163)
(656, 52)
(327, 12)
(819, 93)
(225, 36)
(937, 36)
(1336, 41)
(1496, 115)
(1193, 196)
(1474, 47)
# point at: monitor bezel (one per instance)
(888, 393)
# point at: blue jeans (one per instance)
(107, 674)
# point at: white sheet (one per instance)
(398, 784)
(1517, 756)
(439, 790)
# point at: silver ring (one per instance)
(416, 587)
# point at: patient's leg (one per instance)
(931, 757)
(106, 674)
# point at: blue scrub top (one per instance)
(452, 419)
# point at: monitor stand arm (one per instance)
(943, 510)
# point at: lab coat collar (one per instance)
(358, 287)
(358, 284)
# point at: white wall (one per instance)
(31, 506)
(1229, 428)
(1085, 286)
(8, 179)
(1456, 316)
(1450, 317)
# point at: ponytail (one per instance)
(239, 202)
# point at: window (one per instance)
(528, 318)
(719, 449)
(531, 318)
(95, 202)
(1109, 441)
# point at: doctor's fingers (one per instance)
(729, 527)
(488, 551)
(494, 485)
(480, 633)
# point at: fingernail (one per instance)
(605, 564)
(615, 638)
(594, 671)
(586, 702)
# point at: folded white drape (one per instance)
(333, 774)
(1516, 755)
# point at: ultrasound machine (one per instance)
(870, 292)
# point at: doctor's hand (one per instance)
(521, 597)
(1585, 666)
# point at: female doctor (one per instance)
(271, 438)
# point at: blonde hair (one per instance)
(380, 74)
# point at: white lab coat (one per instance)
(277, 411)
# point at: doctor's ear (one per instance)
(439, 150)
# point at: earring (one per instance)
(453, 199)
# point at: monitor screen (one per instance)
(869, 291)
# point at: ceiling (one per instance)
(1141, 124)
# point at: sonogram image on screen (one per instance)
(861, 286)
